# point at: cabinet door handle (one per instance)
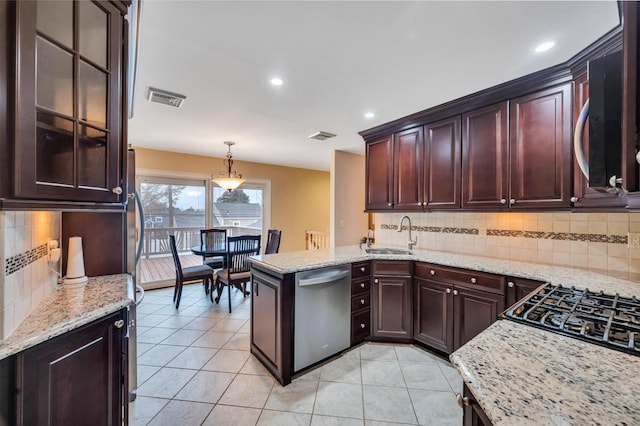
(419, 203)
(119, 323)
(503, 201)
(574, 199)
(473, 280)
(362, 325)
(511, 284)
(432, 272)
(448, 290)
(362, 285)
(512, 201)
(375, 281)
(455, 292)
(389, 204)
(363, 269)
(117, 190)
(362, 301)
(462, 401)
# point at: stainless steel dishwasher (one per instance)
(322, 314)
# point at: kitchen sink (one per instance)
(386, 250)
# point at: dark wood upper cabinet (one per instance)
(379, 174)
(408, 158)
(540, 149)
(67, 111)
(441, 171)
(485, 157)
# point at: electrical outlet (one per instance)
(633, 240)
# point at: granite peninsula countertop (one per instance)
(68, 308)
(297, 261)
(521, 375)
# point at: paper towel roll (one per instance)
(75, 262)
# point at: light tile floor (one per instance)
(195, 368)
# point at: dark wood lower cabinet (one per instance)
(360, 302)
(452, 305)
(473, 312)
(271, 333)
(433, 314)
(518, 288)
(473, 413)
(78, 378)
(391, 299)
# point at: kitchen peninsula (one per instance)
(518, 374)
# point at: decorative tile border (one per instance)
(561, 236)
(19, 261)
(444, 230)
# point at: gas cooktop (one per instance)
(608, 320)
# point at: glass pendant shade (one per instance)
(230, 179)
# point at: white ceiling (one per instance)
(338, 60)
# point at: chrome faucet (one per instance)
(366, 239)
(411, 242)
(369, 238)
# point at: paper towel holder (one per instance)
(75, 263)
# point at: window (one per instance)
(185, 206)
(170, 206)
(241, 211)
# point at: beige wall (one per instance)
(349, 222)
(596, 241)
(299, 197)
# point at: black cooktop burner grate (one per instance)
(608, 320)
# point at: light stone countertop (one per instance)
(312, 259)
(522, 375)
(519, 374)
(68, 308)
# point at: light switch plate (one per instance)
(633, 240)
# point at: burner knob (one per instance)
(511, 284)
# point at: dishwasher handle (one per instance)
(323, 278)
(139, 289)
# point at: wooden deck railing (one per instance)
(315, 240)
(156, 240)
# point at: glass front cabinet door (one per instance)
(69, 101)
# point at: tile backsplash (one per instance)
(596, 241)
(26, 277)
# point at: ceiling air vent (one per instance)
(321, 136)
(165, 98)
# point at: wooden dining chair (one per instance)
(189, 274)
(236, 272)
(213, 237)
(273, 241)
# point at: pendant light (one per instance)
(231, 179)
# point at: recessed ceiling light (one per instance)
(369, 115)
(277, 81)
(545, 46)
